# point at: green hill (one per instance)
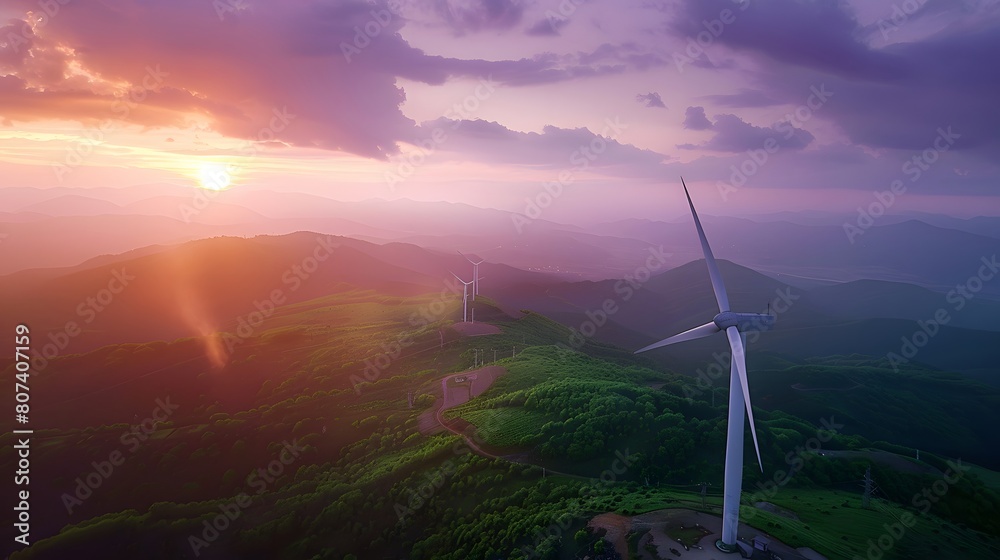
(350, 468)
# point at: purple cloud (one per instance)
(817, 35)
(554, 147)
(895, 97)
(695, 119)
(651, 99)
(548, 27)
(472, 16)
(733, 134)
(332, 65)
(745, 98)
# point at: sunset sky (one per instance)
(490, 99)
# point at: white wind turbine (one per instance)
(475, 274)
(735, 325)
(465, 297)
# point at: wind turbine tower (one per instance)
(465, 297)
(735, 325)
(475, 274)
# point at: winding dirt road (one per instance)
(478, 382)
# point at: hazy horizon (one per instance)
(763, 107)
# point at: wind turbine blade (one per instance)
(708, 329)
(740, 359)
(713, 269)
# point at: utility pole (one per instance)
(866, 500)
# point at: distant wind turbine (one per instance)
(475, 274)
(465, 297)
(735, 325)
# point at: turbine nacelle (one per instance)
(730, 322)
(475, 274)
(734, 325)
(744, 322)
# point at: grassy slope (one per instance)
(366, 464)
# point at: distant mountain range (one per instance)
(66, 227)
(163, 293)
(201, 286)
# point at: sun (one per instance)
(214, 177)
